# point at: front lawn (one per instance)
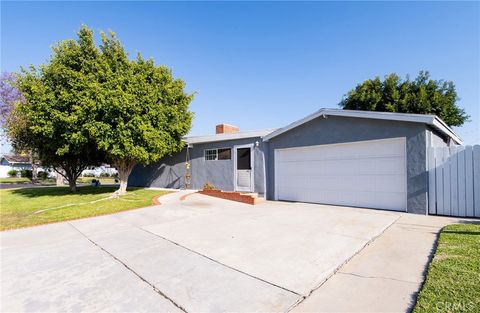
(25, 180)
(103, 180)
(14, 180)
(34, 206)
(452, 283)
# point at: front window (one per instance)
(210, 154)
(218, 154)
(224, 154)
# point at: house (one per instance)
(14, 162)
(333, 156)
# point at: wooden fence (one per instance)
(454, 181)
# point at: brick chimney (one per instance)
(226, 129)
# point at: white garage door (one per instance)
(370, 174)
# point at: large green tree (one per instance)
(11, 124)
(421, 95)
(142, 111)
(59, 103)
(91, 104)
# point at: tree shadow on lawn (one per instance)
(64, 191)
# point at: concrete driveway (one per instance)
(201, 254)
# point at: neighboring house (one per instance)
(96, 171)
(340, 157)
(14, 162)
(18, 163)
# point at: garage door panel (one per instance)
(354, 150)
(365, 174)
(376, 183)
(390, 183)
(303, 155)
(383, 165)
(360, 184)
(385, 200)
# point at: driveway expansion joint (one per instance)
(336, 270)
(202, 255)
(130, 269)
(222, 264)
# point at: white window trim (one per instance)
(216, 155)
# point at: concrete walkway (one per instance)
(205, 254)
(387, 275)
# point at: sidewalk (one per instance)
(385, 276)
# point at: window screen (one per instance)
(224, 154)
(210, 154)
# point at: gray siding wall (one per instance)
(345, 129)
(437, 140)
(169, 172)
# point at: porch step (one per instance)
(254, 196)
(249, 198)
(251, 194)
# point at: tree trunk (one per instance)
(70, 175)
(60, 176)
(72, 180)
(124, 168)
(72, 184)
(60, 180)
(34, 167)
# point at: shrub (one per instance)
(209, 186)
(42, 175)
(104, 174)
(88, 175)
(26, 173)
(12, 173)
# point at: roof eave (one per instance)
(426, 119)
(224, 137)
(442, 126)
(293, 125)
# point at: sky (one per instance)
(262, 65)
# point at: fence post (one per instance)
(447, 209)
(469, 204)
(476, 180)
(453, 181)
(461, 181)
(439, 179)
(432, 201)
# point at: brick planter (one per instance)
(230, 195)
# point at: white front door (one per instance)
(243, 168)
(369, 174)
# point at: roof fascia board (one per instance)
(440, 125)
(224, 137)
(304, 120)
(426, 119)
